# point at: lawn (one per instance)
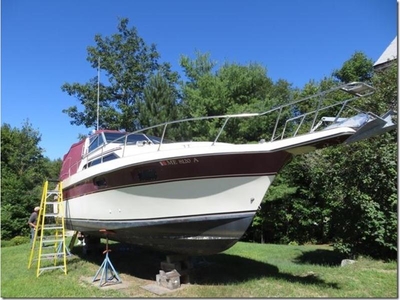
(245, 270)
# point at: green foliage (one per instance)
(159, 104)
(288, 212)
(371, 200)
(23, 171)
(22, 164)
(53, 168)
(363, 198)
(360, 201)
(345, 194)
(386, 96)
(232, 89)
(19, 240)
(357, 68)
(197, 68)
(133, 72)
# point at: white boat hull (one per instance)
(194, 200)
(200, 216)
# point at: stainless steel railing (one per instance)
(356, 90)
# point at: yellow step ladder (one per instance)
(51, 251)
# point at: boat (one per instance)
(198, 197)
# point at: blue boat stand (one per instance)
(107, 270)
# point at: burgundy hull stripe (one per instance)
(193, 167)
(183, 169)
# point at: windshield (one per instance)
(132, 138)
(95, 142)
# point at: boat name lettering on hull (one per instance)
(182, 161)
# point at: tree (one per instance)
(129, 64)
(197, 68)
(159, 104)
(365, 218)
(23, 171)
(272, 222)
(345, 194)
(361, 199)
(232, 89)
(357, 68)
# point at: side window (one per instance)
(96, 142)
(94, 162)
(109, 157)
(98, 161)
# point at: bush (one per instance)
(15, 241)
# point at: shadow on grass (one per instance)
(128, 259)
(211, 270)
(320, 257)
(226, 269)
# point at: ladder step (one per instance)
(52, 215)
(53, 236)
(52, 226)
(58, 256)
(52, 240)
(52, 255)
(52, 191)
(51, 268)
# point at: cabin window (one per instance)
(98, 160)
(109, 157)
(95, 162)
(95, 142)
(115, 137)
(119, 137)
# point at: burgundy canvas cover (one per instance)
(71, 160)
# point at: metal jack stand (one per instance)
(60, 250)
(106, 267)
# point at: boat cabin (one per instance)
(100, 147)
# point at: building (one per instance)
(387, 57)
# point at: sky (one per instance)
(44, 45)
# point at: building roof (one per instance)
(389, 54)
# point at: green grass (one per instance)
(245, 270)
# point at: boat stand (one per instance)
(108, 273)
(60, 250)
